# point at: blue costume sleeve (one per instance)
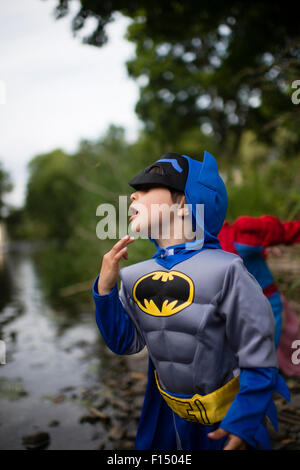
(258, 267)
(253, 402)
(115, 325)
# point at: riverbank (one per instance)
(127, 393)
(62, 388)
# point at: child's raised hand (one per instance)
(234, 442)
(273, 251)
(110, 265)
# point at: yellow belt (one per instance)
(204, 409)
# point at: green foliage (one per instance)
(5, 187)
(264, 184)
(52, 197)
(218, 67)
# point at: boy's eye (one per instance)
(145, 189)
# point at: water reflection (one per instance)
(5, 283)
(52, 360)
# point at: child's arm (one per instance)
(115, 325)
(292, 232)
(250, 330)
(266, 230)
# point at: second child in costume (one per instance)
(208, 327)
(250, 237)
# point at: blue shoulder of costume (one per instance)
(257, 266)
(253, 403)
(113, 322)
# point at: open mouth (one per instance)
(134, 212)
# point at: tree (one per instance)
(222, 67)
(5, 187)
(52, 197)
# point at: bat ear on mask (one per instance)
(205, 186)
(209, 170)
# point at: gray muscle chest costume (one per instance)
(223, 321)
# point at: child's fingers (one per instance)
(278, 251)
(121, 244)
(124, 254)
(218, 434)
(121, 253)
(234, 443)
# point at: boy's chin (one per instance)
(136, 227)
(139, 229)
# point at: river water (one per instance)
(52, 360)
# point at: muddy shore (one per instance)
(120, 407)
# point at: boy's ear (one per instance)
(183, 212)
(183, 208)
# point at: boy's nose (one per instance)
(133, 196)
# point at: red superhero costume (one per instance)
(249, 237)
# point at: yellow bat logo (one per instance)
(162, 293)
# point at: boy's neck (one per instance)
(170, 241)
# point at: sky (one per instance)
(54, 90)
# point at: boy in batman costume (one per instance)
(207, 325)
